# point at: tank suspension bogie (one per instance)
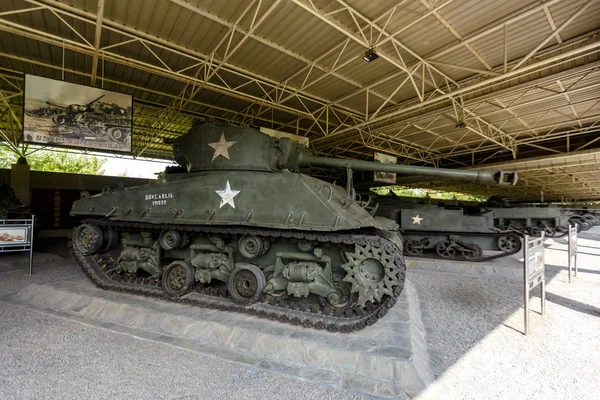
(301, 274)
(460, 246)
(336, 278)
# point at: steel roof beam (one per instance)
(591, 47)
(268, 43)
(197, 57)
(145, 89)
(97, 35)
(401, 65)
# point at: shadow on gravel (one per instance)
(479, 305)
(579, 252)
(54, 245)
(573, 304)
(584, 270)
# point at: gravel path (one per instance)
(477, 324)
(476, 327)
(47, 357)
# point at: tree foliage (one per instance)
(56, 161)
(417, 192)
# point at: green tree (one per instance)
(55, 161)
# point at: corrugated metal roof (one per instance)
(304, 56)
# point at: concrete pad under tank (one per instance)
(391, 359)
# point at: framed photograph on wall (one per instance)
(65, 114)
(384, 177)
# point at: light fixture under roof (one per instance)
(370, 55)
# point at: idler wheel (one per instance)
(169, 240)
(445, 249)
(413, 247)
(88, 239)
(508, 243)
(178, 278)
(475, 252)
(246, 283)
(251, 246)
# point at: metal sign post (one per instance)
(533, 273)
(17, 235)
(572, 251)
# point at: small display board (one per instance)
(534, 273)
(384, 177)
(572, 251)
(17, 235)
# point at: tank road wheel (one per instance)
(59, 120)
(535, 231)
(585, 225)
(372, 272)
(246, 283)
(474, 253)
(169, 240)
(413, 247)
(549, 232)
(509, 243)
(117, 134)
(445, 249)
(576, 223)
(178, 278)
(345, 298)
(88, 239)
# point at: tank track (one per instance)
(457, 257)
(310, 315)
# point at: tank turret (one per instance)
(242, 226)
(199, 150)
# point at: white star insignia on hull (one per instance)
(417, 220)
(221, 147)
(227, 195)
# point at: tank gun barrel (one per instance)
(501, 178)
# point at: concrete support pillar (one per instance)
(20, 182)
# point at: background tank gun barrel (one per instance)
(502, 178)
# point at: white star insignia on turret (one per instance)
(417, 220)
(227, 195)
(221, 147)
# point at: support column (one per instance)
(20, 182)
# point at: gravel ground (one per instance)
(478, 324)
(47, 357)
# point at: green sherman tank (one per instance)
(238, 228)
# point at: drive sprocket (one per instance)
(372, 272)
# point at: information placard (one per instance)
(534, 273)
(572, 251)
(17, 235)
